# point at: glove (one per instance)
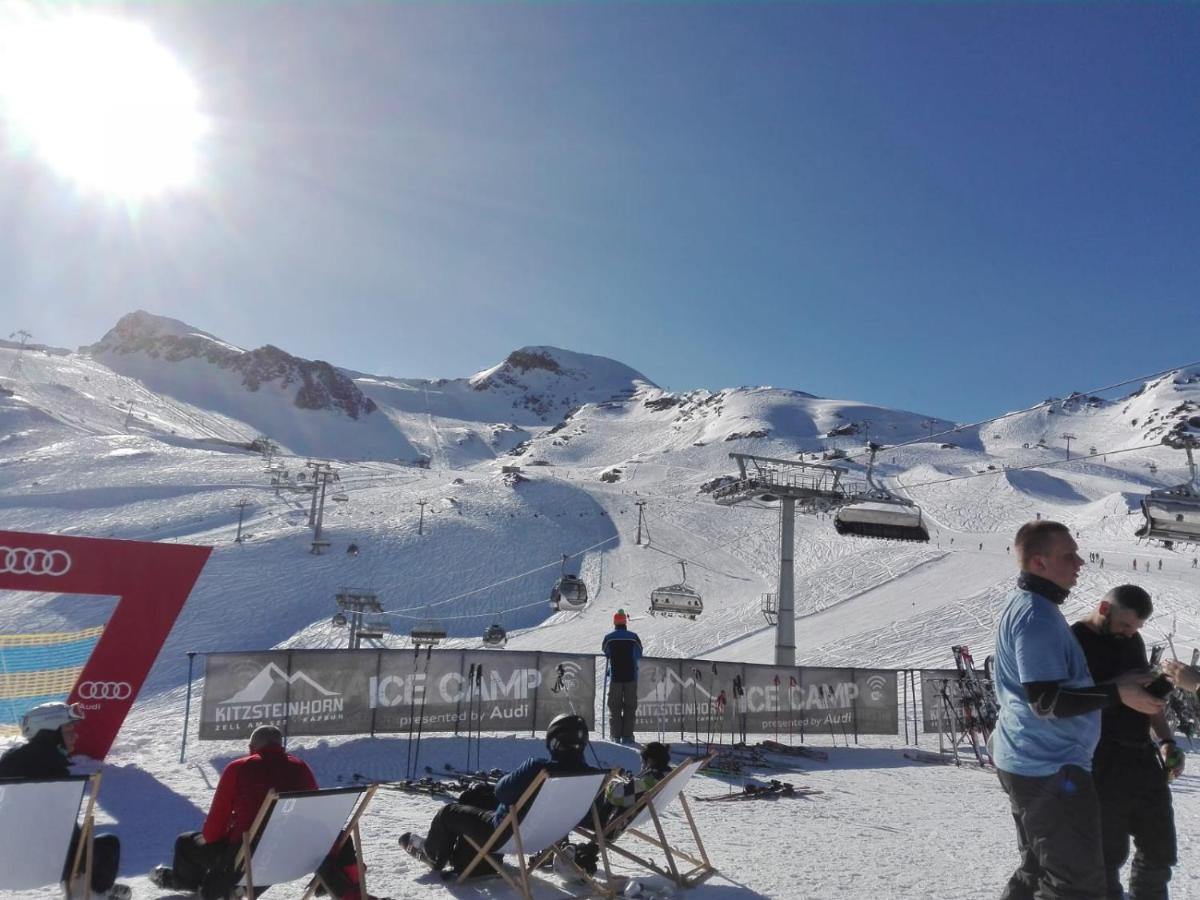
(1173, 759)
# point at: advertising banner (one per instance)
(319, 692)
(151, 581)
(708, 697)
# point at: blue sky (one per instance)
(952, 208)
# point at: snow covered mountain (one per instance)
(147, 434)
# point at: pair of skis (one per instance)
(771, 790)
(978, 704)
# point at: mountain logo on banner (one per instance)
(667, 684)
(261, 701)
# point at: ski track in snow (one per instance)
(884, 826)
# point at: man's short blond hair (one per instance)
(1037, 538)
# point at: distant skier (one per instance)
(623, 649)
(1160, 565)
(1193, 562)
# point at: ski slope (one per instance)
(73, 460)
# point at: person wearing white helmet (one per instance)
(49, 732)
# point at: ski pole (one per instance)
(412, 706)
(470, 702)
(777, 709)
(709, 711)
(479, 716)
(792, 711)
(721, 719)
(696, 708)
(421, 718)
(604, 699)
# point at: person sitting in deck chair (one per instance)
(623, 793)
(204, 860)
(49, 732)
(480, 810)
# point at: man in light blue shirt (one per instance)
(1050, 723)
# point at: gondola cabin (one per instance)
(569, 592)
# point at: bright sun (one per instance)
(101, 101)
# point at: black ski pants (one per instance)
(1135, 802)
(444, 843)
(106, 860)
(1058, 836)
(622, 709)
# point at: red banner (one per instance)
(151, 581)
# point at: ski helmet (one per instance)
(48, 717)
(567, 733)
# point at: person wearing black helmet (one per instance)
(49, 732)
(566, 741)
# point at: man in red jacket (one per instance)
(203, 860)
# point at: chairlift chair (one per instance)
(495, 635)
(878, 513)
(1173, 514)
(569, 591)
(677, 599)
(374, 627)
(429, 632)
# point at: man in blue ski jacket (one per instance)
(623, 649)
(1050, 723)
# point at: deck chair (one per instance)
(37, 825)
(294, 832)
(545, 814)
(649, 808)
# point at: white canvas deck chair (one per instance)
(294, 832)
(545, 814)
(37, 823)
(649, 808)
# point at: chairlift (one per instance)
(1173, 514)
(374, 627)
(878, 513)
(339, 620)
(569, 590)
(677, 599)
(428, 632)
(495, 635)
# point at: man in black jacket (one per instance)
(566, 741)
(623, 649)
(49, 732)
(1130, 771)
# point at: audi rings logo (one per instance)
(26, 561)
(105, 690)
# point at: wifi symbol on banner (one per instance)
(875, 686)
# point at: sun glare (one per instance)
(100, 101)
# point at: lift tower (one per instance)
(816, 488)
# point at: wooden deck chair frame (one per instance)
(244, 861)
(79, 877)
(525, 867)
(607, 837)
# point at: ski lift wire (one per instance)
(511, 578)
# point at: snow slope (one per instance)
(599, 438)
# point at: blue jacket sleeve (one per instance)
(510, 788)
